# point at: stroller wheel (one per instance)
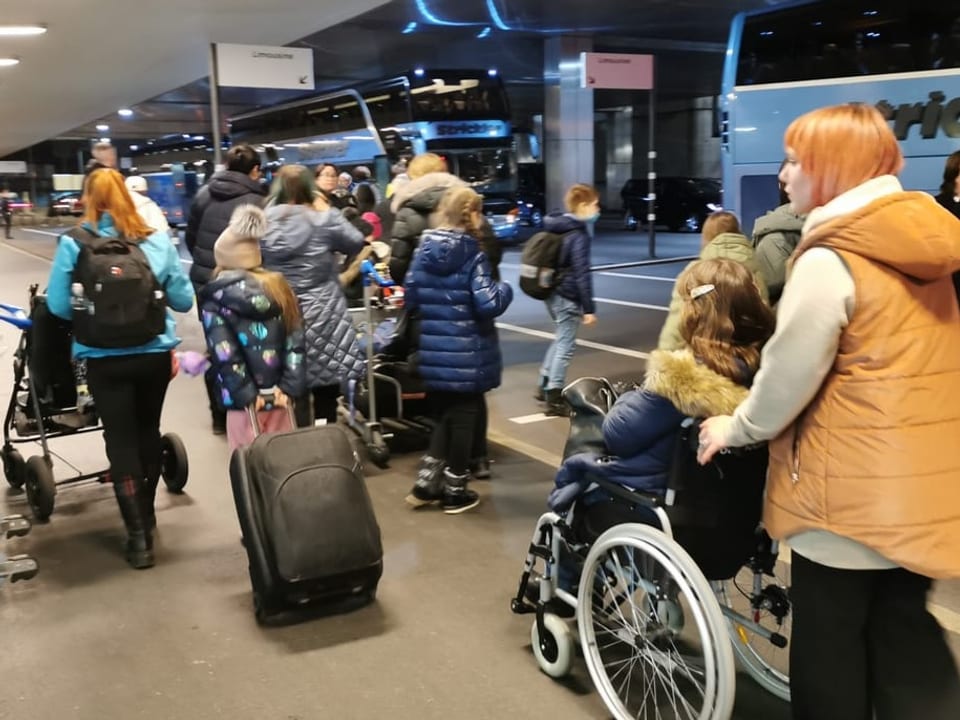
(379, 452)
(14, 468)
(174, 464)
(41, 487)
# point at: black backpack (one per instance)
(117, 300)
(540, 270)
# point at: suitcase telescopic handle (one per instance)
(268, 395)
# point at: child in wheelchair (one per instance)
(684, 530)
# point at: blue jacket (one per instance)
(164, 261)
(248, 341)
(577, 282)
(641, 428)
(451, 284)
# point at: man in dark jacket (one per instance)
(572, 301)
(209, 216)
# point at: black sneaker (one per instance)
(539, 395)
(480, 469)
(459, 499)
(556, 405)
(421, 496)
(219, 425)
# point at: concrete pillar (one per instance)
(619, 155)
(568, 118)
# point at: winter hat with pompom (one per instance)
(238, 247)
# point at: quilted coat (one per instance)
(450, 284)
(577, 282)
(300, 243)
(249, 346)
(642, 426)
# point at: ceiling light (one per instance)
(411, 27)
(125, 112)
(102, 127)
(9, 62)
(483, 33)
(21, 30)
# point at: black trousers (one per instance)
(217, 413)
(459, 417)
(863, 642)
(129, 391)
(7, 223)
(318, 404)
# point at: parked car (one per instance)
(65, 203)
(682, 203)
(502, 215)
(531, 194)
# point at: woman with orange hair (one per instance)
(858, 391)
(128, 378)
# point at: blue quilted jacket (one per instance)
(451, 285)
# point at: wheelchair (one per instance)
(44, 406)
(664, 589)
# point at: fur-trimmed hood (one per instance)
(424, 193)
(693, 388)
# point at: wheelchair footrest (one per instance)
(15, 526)
(18, 567)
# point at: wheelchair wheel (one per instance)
(766, 656)
(174, 464)
(554, 649)
(653, 636)
(14, 468)
(41, 487)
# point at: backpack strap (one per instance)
(80, 234)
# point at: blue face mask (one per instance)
(592, 219)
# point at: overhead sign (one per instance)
(259, 66)
(13, 167)
(616, 71)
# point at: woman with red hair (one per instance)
(128, 381)
(859, 393)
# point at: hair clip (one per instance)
(701, 290)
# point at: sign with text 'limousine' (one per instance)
(259, 66)
(616, 71)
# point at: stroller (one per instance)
(44, 405)
(389, 408)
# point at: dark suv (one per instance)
(683, 203)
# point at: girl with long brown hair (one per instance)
(128, 384)
(254, 330)
(724, 323)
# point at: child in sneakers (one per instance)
(252, 325)
(450, 284)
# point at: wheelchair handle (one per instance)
(16, 316)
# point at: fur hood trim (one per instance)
(248, 221)
(430, 181)
(693, 388)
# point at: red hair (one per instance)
(105, 192)
(842, 146)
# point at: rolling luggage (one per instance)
(307, 521)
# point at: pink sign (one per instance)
(616, 71)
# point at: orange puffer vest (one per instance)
(875, 456)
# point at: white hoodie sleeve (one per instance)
(817, 303)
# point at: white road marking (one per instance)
(42, 232)
(627, 303)
(582, 343)
(536, 417)
(531, 451)
(610, 273)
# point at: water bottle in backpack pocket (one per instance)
(118, 301)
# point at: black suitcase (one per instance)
(307, 520)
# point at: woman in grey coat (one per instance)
(300, 243)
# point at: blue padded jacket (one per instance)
(577, 282)
(451, 285)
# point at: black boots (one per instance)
(457, 497)
(428, 488)
(540, 393)
(437, 485)
(139, 547)
(556, 405)
(148, 497)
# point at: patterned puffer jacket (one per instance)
(451, 285)
(248, 343)
(300, 243)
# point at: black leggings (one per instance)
(128, 391)
(864, 646)
(324, 402)
(458, 417)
